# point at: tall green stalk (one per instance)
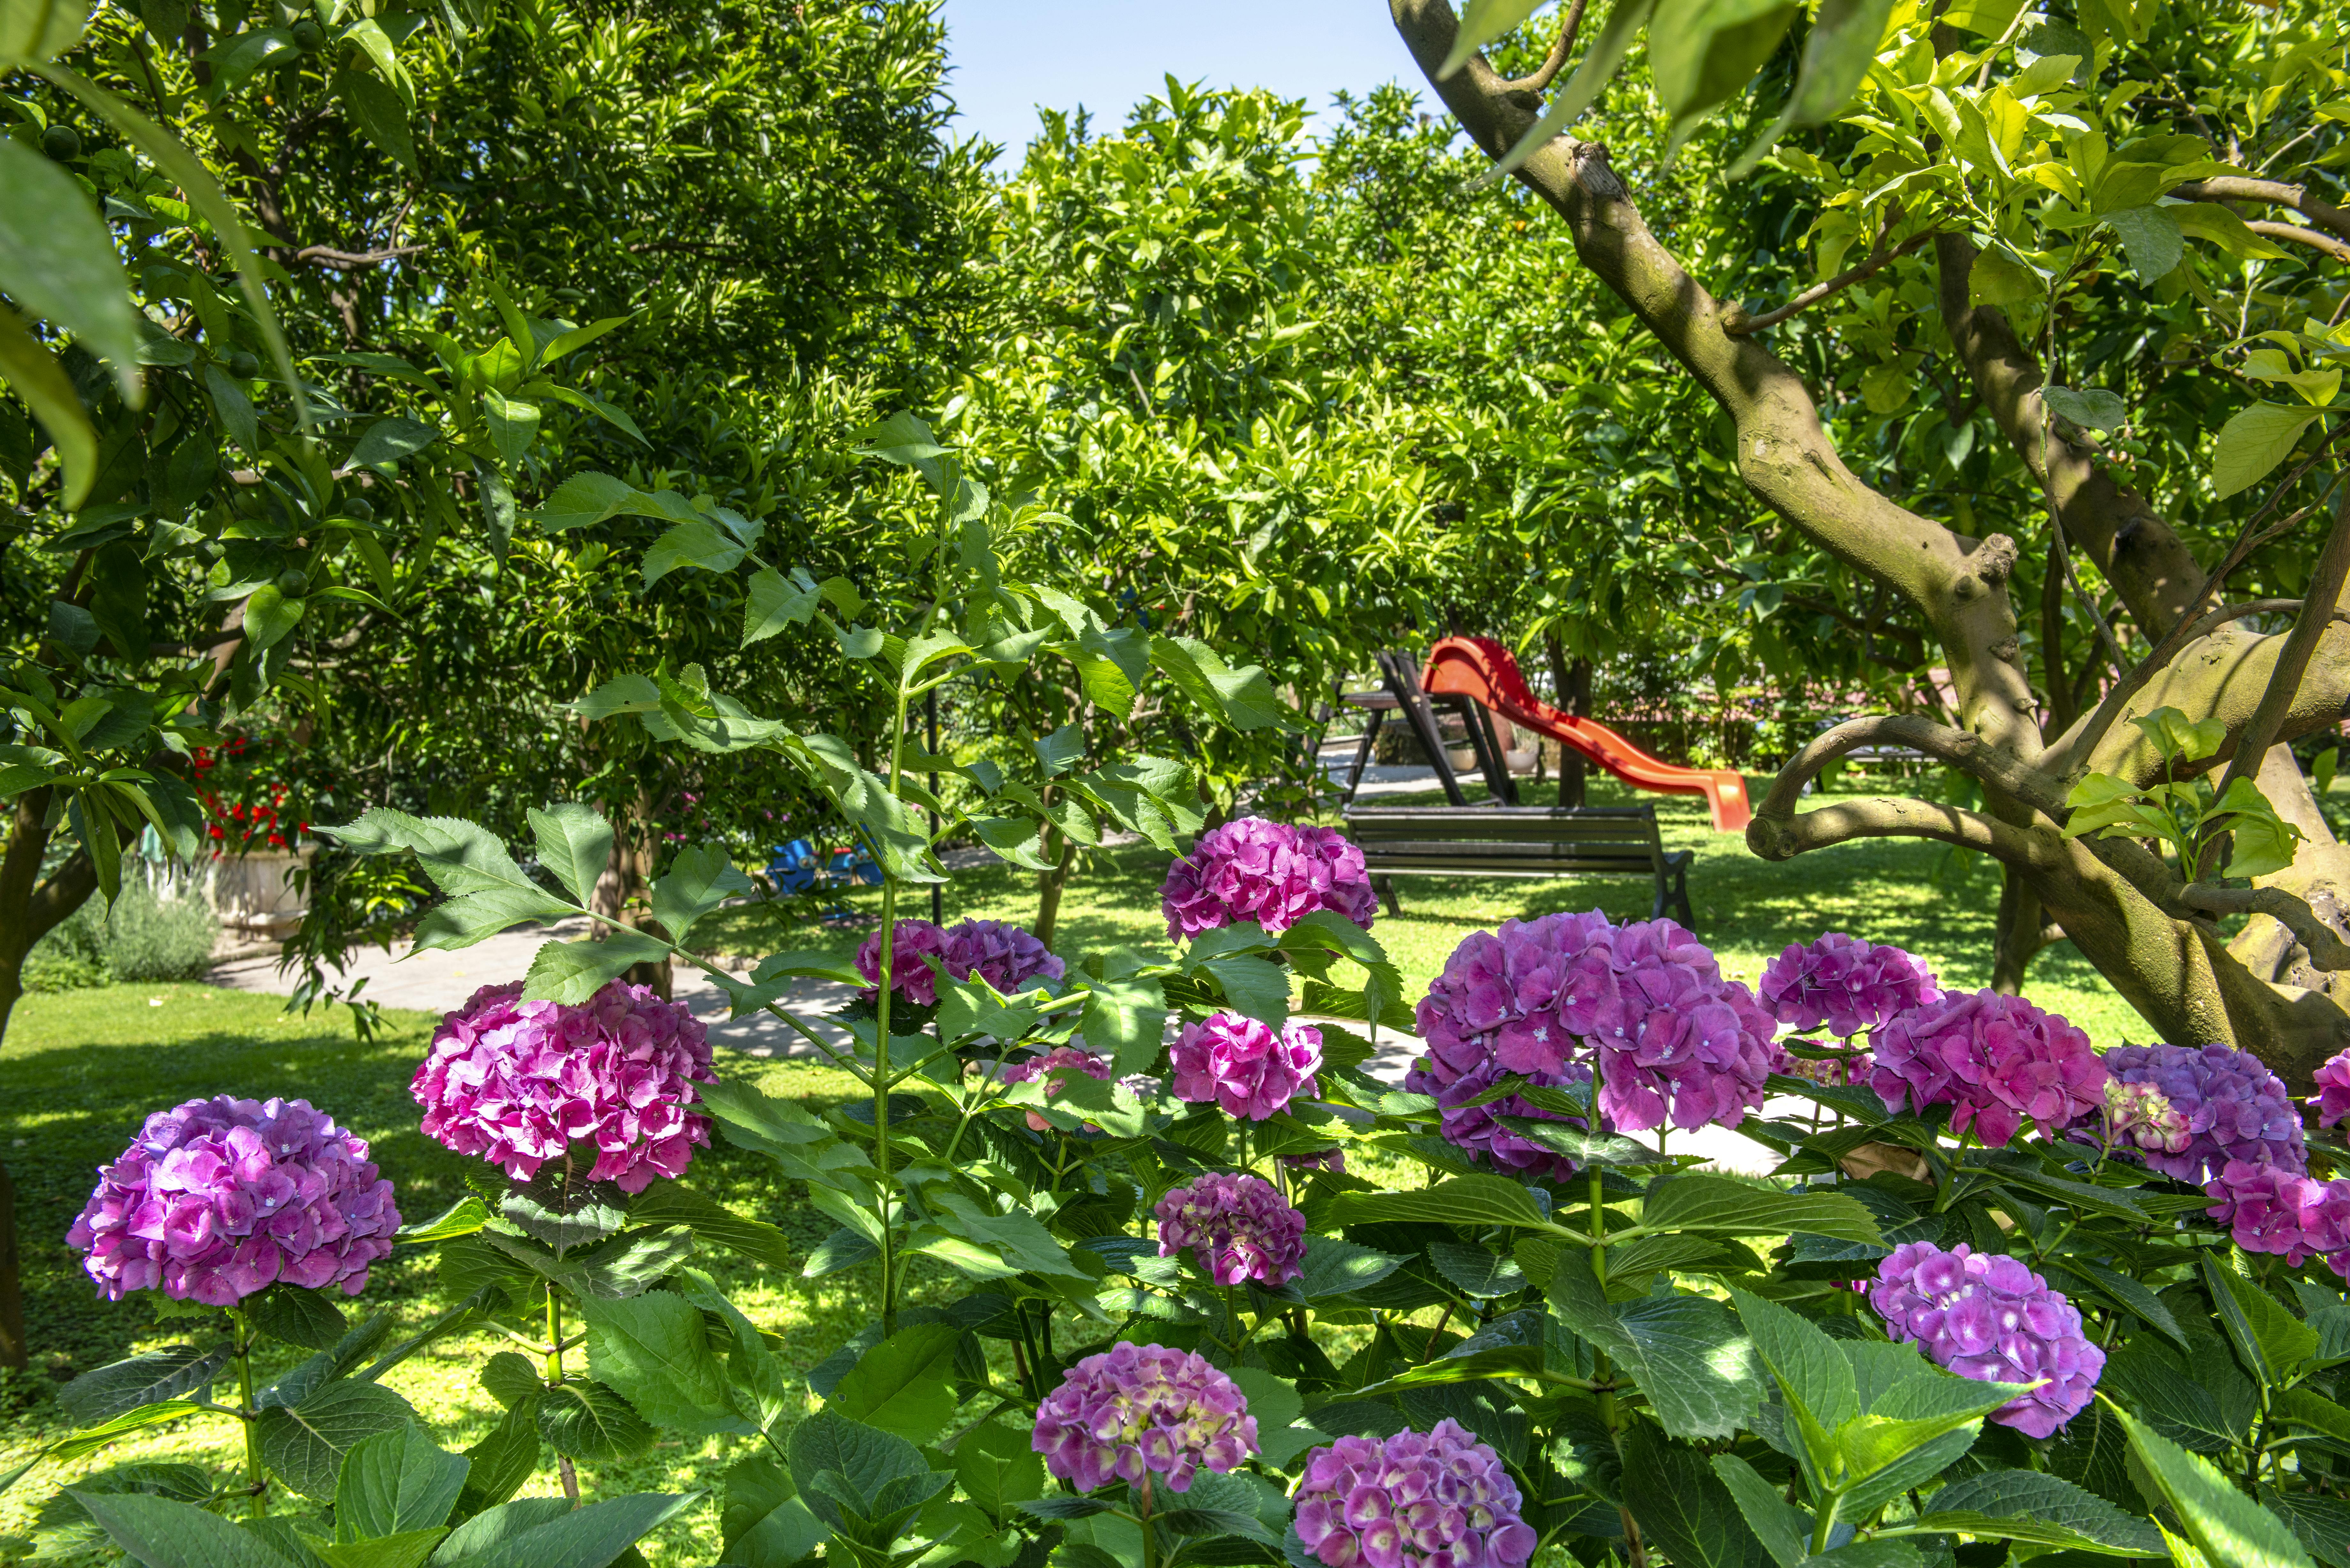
(887, 956)
(256, 1478)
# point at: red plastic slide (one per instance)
(1480, 667)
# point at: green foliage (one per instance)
(143, 936)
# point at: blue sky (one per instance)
(1009, 56)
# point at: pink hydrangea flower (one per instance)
(1269, 872)
(1242, 1064)
(1237, 1227)
(1055, 1067)
(2226, 1106)
(1985, 1315)
(2334, 1090)
(1999, 1059)
(2139, 1116)
(216, 1200)
(1845, 984)
(1136, 1412)
(2270, 1208)
(1004, 955)
(1438, 1500)
(1681, 1039)
(1671, 1038)
(517, 1083)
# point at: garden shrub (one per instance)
(141, 937)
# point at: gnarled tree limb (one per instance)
(1784, 837)
(1560, 46)
(2317, 613)
(2326, 949)
(1966, 752)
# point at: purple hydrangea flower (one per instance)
(1054, 1067)
(2229, 1106)
(2334, 1090)
(2269, 1209)
(1472, 1128)
(1237, 1227)
(218, 1199)
(1137, 1411)
(1438, 1500)
(1672, 1038)
(1986, 1316)
(1846, 983)
(1681, 1039)
(1269, 872)
(517, 1083)
(1004, 955)
(1241, 1064)
(1999, 1059)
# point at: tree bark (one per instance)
(1061, 854)
(1573, 679)
(2017, 937)
(618, 898)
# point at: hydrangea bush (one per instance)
(1158, 1271)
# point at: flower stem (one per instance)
(1142, 1501)
(882, 1071)
(553, 1336)
(256, 1480)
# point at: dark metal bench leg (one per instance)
(1680, 898)
(1385, 887)
(1362, 756)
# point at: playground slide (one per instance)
(1480, 667)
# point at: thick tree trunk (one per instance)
(619, 893)
(1573, 679)
(2017, 938)
(30, 907)
(1060, 853)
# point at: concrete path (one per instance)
(438, 981)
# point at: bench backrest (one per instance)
(1624, 834)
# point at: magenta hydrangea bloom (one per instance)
(1999, 1059)
(2269, 1209)
(1138, 1410)
(2230, 1106)
(1985, 1315)
(1054, 1067)
(1438, 1500)
(215, 1199)
(1671, 1037)
(1846, 984)
(1474, 1130)
(517, 1083)
(1269, 872)
(1242, 1064)
(1004, 955)
(2334, 1090)
(1238, 1228)
(1680, 1041)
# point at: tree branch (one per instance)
(346, 261)
(1784, 839)
(2156, 574)
(2326, 949)
(1969, 753)
(1740, 325)
(2270, 192)
(1547, 72)
(2319, 605)
(2301, 236)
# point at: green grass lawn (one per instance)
(83, 1069)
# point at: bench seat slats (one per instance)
(1519, 841)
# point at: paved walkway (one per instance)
(438, 981)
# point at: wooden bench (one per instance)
(1519, 841)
